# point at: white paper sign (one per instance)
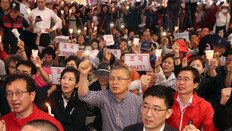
(109, 39)
(116, 52)
(56, 72)
(41, 48)
(67, 49)
(138, 62)
(63, 39)
(94, 53)
(184, 35)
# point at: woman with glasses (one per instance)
(65, 104)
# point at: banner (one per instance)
(63, 39)
(109, 39)
(138, 62)
(67, 49)
(56, 72)
(184, 35)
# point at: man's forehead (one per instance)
(185, 74)
(154, 101)
(118, 72)
(16, 85)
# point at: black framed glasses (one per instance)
(154, 110)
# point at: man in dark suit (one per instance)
(157, 107)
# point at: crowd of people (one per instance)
(183, 90)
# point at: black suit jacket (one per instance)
(139, 127)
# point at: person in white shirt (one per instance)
(42, 21)
(223, 19)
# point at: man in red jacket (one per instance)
(188, 107)
(20, 93)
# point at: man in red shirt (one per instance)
(189, 108)
(20, 93)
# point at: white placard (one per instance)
(138, 62)
(67, 49)
(109, 39)
(184, 35)
(63, 39)
(116, 52)
(94, 53)
(41, 48)
(56, 72)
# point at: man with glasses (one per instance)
(157, 107)
(14, 21)
(119, 107)
(20, 93)
(189, 108)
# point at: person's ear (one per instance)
(33, 77)
(169, 113)
(32, 95)
(76, 85)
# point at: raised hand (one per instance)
(213, 63)
(85, 67)
(107, 55)
(175, 47)
(37, 61)
(145, 81)
(190, 128)
(2, 125)
(225, 95)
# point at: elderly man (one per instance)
(42, 21)
(119, 107)
(20, 93)
(157, 107)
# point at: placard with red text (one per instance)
(138, 62)
(67, 49)
(56, 72)
(109, 39)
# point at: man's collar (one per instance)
(161, 129)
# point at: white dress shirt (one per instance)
(23, 11)
(161, 129)
(46, 15)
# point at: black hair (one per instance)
(123, 40)
(161, 92)
(74, 58)
(29, 64)
(14, 58)
(42, 124)
(197, 57)
(195, 73)
(49, 51)
(168, 56)
(30, 82)
(73, 70)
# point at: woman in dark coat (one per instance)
(65, 104)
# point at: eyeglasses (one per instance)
(19, 94)
(184, 79)
(119, 79)
(154, 111)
